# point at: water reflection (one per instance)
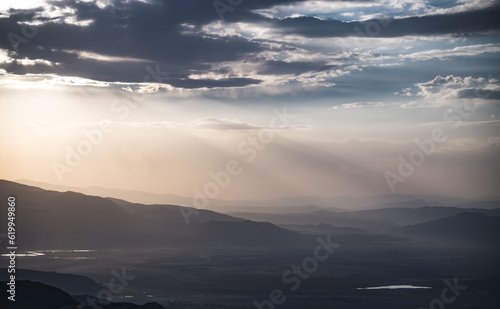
(394, 287)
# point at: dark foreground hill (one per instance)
(31, 295)
(69, 283)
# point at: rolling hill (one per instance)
(42, 296)
(467, 227)
(69, 283)
(69, 220)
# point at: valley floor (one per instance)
(209, 278)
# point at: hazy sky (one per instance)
(286, 97)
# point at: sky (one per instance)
(251, 99)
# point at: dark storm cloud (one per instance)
(460, 23)
(147, 32)
(154, 35)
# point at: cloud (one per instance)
(464, 22)
(463, 123)
(223, 124)
(106, 58)
(469, 50)
(473, 93)
(365, 10)
(359, 105)
(449, 88)
(278, 48)
(207, 123)
(114, 48)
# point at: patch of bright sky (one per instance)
(6, 5)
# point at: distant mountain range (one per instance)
(60, 220)
(466, 227)
(282, 205)
(338, 219)
(69, 220)
(407, 216)
(376, 219)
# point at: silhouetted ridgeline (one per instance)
(36, 295)
(69, 220)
